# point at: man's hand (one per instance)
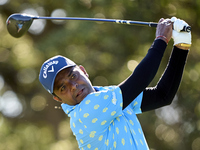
(164, 30)
(182, 39)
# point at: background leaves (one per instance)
(30, 119)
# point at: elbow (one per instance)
(168, 100)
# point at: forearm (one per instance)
(163, 93)
(144, 73)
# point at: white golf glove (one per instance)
(181, 38)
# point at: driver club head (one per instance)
(18, 24)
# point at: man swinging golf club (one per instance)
(104, 118)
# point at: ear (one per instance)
(57, 99)
(83, 69)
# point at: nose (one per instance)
(74, 86)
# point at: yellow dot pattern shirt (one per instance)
(99, 123)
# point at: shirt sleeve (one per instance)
(99, 109)
(143, 73)
(163, 93)
(136, 104)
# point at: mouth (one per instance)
(79, 93)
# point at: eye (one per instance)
(62, 88)
(73, 76)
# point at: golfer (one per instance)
(104, 118)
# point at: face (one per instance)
(72, 85)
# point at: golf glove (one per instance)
(180, 37)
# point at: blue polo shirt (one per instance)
(99, 123)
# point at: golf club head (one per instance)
(18, 24)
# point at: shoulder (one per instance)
(105, 92)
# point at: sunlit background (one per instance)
(29, 117)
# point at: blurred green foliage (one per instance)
(30, 119)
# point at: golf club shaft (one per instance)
(129, 22)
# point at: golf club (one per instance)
(18, 24)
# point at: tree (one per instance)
(41, 124)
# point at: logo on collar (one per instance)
(46, 67)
